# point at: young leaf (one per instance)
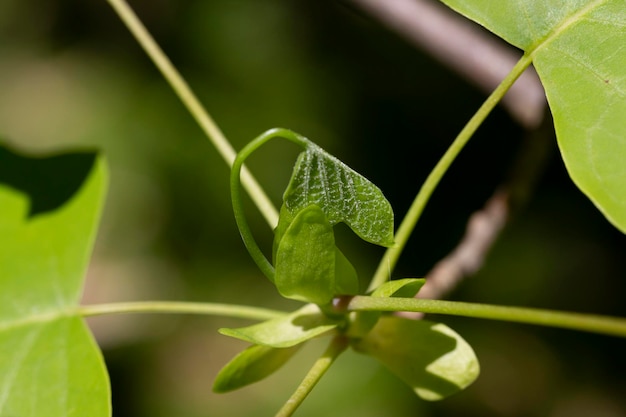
(577, 50)
(346, 279)
(252, 365)
(343, 194)
(301, 325)
(407, 287)
(430, 357)
(49, 210)
(305, 258)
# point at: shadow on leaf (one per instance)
(430, 357)
(49, 182)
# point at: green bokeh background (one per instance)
(72, 76)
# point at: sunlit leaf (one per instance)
(305, 258)
(343, 194)
(578, 48)
(430, 357)
(49, 362)
(301, 325)
(345, 277)
(252, 365)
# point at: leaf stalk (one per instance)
(614, 326)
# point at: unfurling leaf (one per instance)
(343, 195)
(252, 365)
(305, 258)
(301, 325)
(430, 357)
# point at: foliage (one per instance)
(49, 209)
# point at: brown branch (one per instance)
(464, 47)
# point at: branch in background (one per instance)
(464, 47)
(485, 225)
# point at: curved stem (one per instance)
(336, 347)
(180, 307)
(615, 326)
(189, 99)
(235, 189)
(389, 260)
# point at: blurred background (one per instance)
(72, 76)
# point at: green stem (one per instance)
(389, 260)
(336, 347)
(180, 307)
(615, 326)
(235, 191)
(189, 99)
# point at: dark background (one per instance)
(72, 76)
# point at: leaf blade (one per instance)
(429, 357)
(253, 364)
(49, 210)
(343, 194)
(577, 49)
(301, 325)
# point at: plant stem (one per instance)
(235, 193)
(180, 307)
(615, 326)
(336, 347)
(389, 260)
(189, 99)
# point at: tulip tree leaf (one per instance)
(430, 357)
(282, 332)
(251, 365)
(343, 194)
(49, 210)
(305, 258)
(577, 48)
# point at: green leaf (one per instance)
(346, 279)
(430, 357)
(49, 209)
(343, 194)
(301, 325)
(251, 365)
(305, 259)
(577, 48)
(407, 287)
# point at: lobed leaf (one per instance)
(343, 194)
(49, 210)
(577, 48)
(301, 325)
(251, 365)
(430, 357)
